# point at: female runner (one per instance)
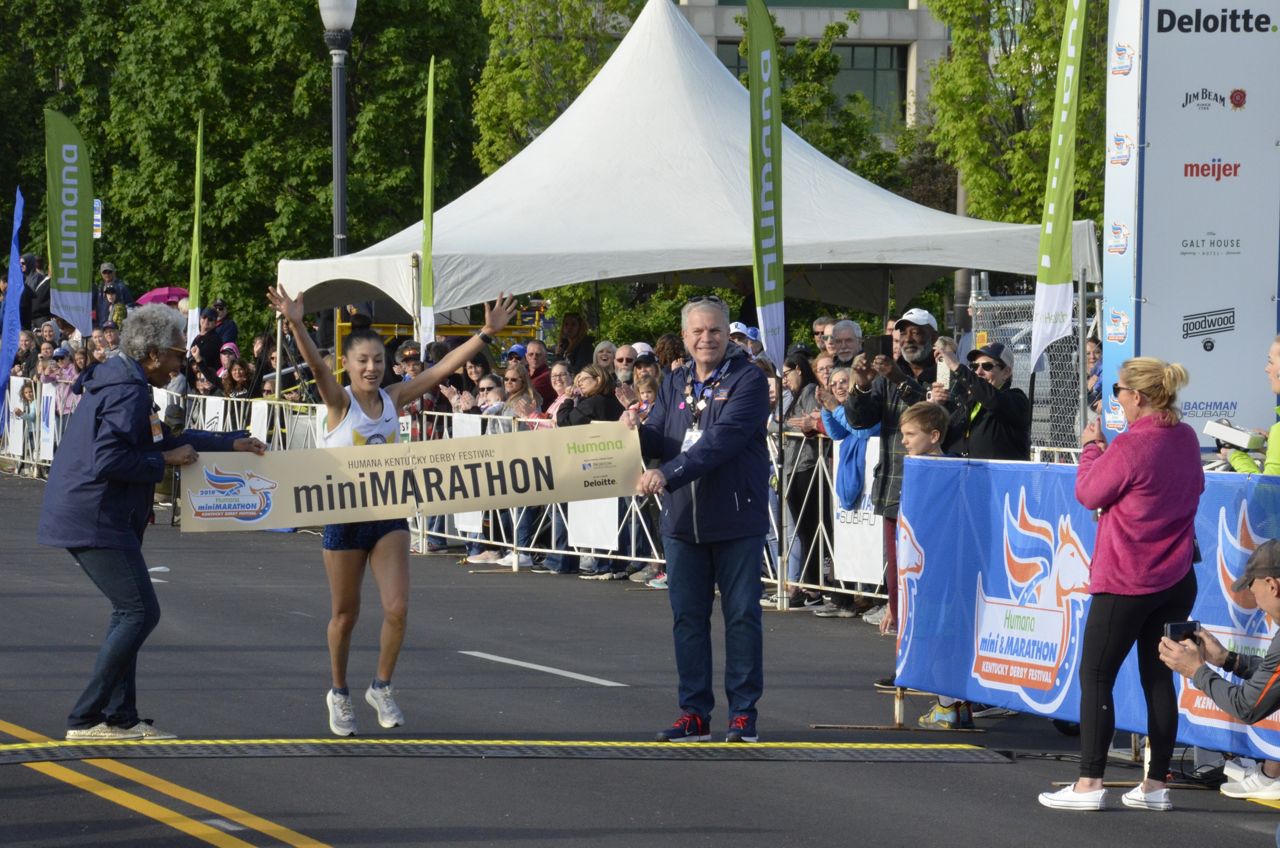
(365, 413)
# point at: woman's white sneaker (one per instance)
(1139, 800)
(342, 718)
(389, 714)
(104, 732)
(1067, 798)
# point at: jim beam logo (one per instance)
(1205, 99)
(1211, 244)
(1208, 324)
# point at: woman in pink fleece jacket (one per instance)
(1147, 484)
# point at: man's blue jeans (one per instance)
(693, 573)
(111, 695)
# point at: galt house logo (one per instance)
(1211, 244)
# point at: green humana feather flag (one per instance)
(193, 284)
(70, 228)
(1052, 316)
(766, 178)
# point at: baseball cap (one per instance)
(230, 346)
(753, 333)
(917, 316)
(209, 312)
(1263, 562)
(61, 353)
(109, 325)
(107, 266)
(996, 351)
(516, 350)
(642, 349)
(737, 327)
(109, 289)
(219, 304)
(646, 359)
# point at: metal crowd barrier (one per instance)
(294, 426)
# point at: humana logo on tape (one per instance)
(594, 447)
(1205, 323)
(1224, 21)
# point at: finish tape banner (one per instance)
(305, 488)
(993, 571)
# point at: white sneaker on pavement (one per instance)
(1139, 800)
(342, 718)
(1067, 798)
(382, 700)
(104, 732)
(1255, 786)
(484, 558)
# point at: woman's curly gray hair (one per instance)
(152, 327)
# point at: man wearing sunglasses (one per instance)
(990, 419)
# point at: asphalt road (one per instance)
(239, 655)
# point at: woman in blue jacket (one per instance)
(98, 502)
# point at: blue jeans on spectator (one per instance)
(629, 522)
(561, 563)
(693, 573)
(795, 558)
(436, 524)
(111, 695)
(527, 525)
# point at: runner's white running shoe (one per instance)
(342, 718)
(382, 700)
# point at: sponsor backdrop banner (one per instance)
(1209, 269)
(240, 491)
(993, 564)
(1120, 201)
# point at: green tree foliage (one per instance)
(542, 54)
(133, 76)
(992, 103)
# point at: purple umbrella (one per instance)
(164, 294)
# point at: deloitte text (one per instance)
(1224, 21)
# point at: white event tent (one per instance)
(645, 177)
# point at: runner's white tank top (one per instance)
(357, 429)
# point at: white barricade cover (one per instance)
(594, 523)
(857, 534)
(242, 491)
(14, 435)
(259, 419)
(468, 426)
(48, 426)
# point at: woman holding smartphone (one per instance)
(1147, 484)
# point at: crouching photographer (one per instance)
(1257, 696)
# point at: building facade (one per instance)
(887, 55)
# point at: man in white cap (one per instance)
(738, 335)
(883, 389)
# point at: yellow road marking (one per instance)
(1275, 805)
(165, 787)
(129, 801)
(489, 743)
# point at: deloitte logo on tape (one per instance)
(1221, 21)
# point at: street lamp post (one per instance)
(338, 17)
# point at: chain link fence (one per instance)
(1057, 390)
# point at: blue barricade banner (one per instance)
(993, 573)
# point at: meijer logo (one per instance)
(1215, 169)
(1222, 21)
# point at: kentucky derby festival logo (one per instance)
(1029, 630)
(910, 569)
(1118, 241)
(1118, 326)
(1121, 149)
(1121, 59)
(1113, 416)
(242, 496)
(1245, 628)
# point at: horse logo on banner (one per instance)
(910, 569)
(242, 496)
(1249, 631)
(1029, 633)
